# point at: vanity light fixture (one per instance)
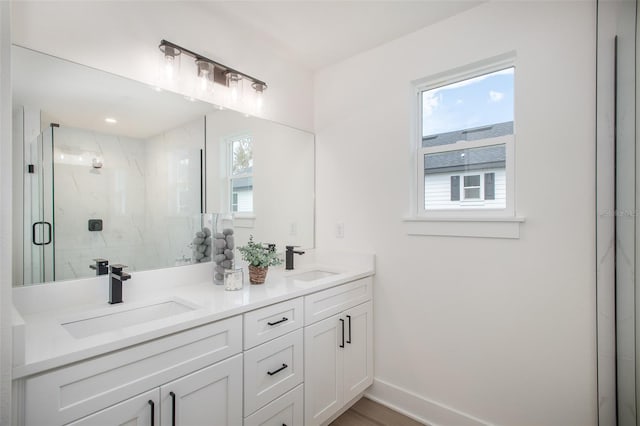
(259, 87)
(210, 72)
(110, 120)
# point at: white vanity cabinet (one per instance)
(141, 410)
(189, 364)
(338, 344)
(207, 396)
(298, 358)
(274, 364)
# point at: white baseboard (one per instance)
(420, 409)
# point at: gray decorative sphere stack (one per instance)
(223, 243)
(202, 243)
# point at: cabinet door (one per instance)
(323, 370)
(211, 396)
(358, 352)
(284, 411)
(141, 410)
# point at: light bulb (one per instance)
(205, 76)
(170, 62)
(259, 101)
(168, 66)
(259, 88)
(234, 83)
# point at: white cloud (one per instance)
(495, 96)
(430, 102)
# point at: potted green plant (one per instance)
(259, 258)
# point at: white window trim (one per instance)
(481, 223)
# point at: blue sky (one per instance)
(480, 101)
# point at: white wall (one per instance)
(283, 194)
(122, 37)
(500, 331)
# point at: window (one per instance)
(241, 174)
(465, 151)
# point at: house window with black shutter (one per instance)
(455, 188)
(466, 149)
(489, 186)
(475, 187)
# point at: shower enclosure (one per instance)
(618, 257)
(39, 251)
(87, 195)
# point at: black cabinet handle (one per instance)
(342, 322)
(271, 373)
(153, 411)
(349, 339)
(173, 408)
(278, 322)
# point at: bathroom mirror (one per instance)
(106, 167)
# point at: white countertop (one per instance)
(41, 343)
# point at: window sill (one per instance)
(477, 227)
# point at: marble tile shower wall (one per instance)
(147, 194)
(173, 194)
(114, 193)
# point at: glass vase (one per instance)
(223, 240)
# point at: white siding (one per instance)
(245, 201)
(437, 192)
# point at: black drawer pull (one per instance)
(349, 339)
(278, 322)
(271, 373)
(342, 322)
(173, 408)
(153, 412)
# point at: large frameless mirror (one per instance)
(112, 168)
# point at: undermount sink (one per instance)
(312, 275)
(100, 322)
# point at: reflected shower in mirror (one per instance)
(115, 169)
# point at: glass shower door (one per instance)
(39, 265)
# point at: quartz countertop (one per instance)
(42, 343)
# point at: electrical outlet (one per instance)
(340, 230)
(293, 229)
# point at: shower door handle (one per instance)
(33, 233)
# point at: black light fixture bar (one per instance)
(221, 70)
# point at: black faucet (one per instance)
(101, 267)
(289, 256)
(116, 277)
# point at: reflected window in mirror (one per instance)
(241, 174)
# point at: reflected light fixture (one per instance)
(210, 72)
(171, 60)
(233, 81)
(259, 87)
(205, 75)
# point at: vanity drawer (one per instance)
(272, 369)
(272, 321)
(323, 304)
(71, 392)
(286, 410)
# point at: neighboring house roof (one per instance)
(484, 132)
(469, 159)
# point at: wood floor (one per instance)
(368, 413)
